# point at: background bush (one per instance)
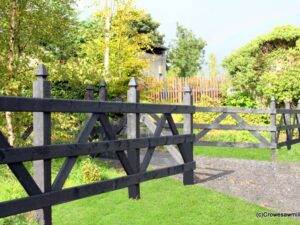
(267, 66)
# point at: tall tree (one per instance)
(144, 25)
(10, 64)
(108, 13)
(186, 53)
(28, 29)
(132, 31)
(212, 65)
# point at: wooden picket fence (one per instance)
(170, 89)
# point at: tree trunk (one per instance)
(108, 11)
(10, 66)
(11, 49)
(9, 127)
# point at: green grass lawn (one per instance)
(164, 201)
(283, 155)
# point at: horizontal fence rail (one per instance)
(287, 127)
(232, 127)
(287, 143)
(17, 104)
(232, 144)
(235, 127)
(232, 110)
(288, 111)
(70, 194)
(13, 155)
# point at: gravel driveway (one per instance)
(272, 185)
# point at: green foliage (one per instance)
(11, 189)
(149, 85)
(146, 25)
(66, 126)
(186, 53)
(42, 32)
(48, 32)
(132, 31)
(240, 99)
(204, 117)
(268, 66)
(39, 25)
(90, 170)
(233, 136)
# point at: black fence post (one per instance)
(42, 136)
(133, 131)
(103, 96)
(298, 117)
(103, 91)
(89, 92)
(274, 140)
(188, 177)
(287, 117)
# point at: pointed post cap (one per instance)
(90, 87)
(41, 71)
(102, 83)
(273, 105)
(133, 82)
(89, 92)
(187, 89)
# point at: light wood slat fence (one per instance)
(42, 193)
(170, 89)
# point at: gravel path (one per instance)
(272, 185)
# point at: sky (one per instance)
(225, 25)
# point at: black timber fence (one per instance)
(43, 193)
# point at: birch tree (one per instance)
(28, 28)
(132, 31)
